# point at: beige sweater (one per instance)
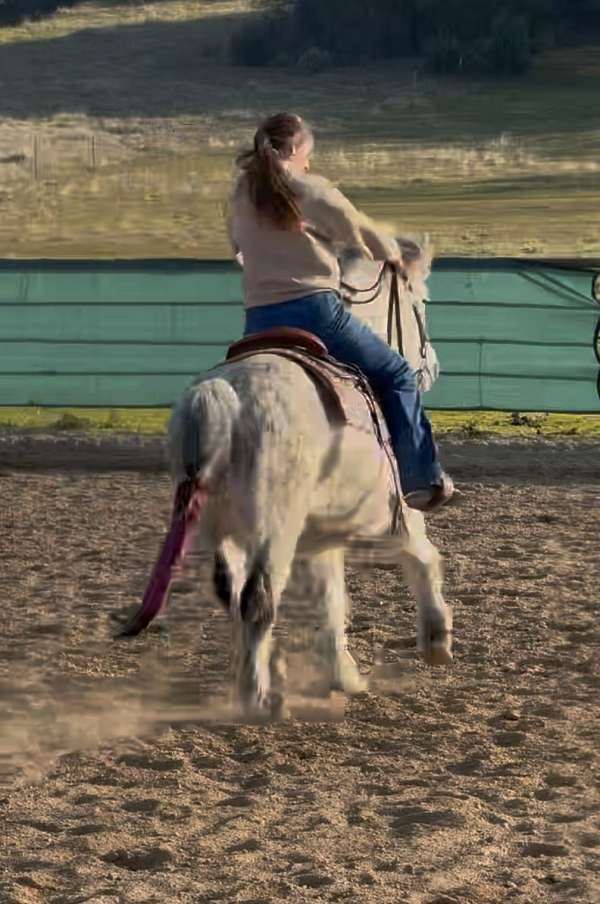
(280, 265)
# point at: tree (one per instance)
(12, 12)
(494, 36)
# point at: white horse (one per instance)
(280, 480)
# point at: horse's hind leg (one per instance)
(229, 574)
(421, 564)
(327, 570)
(256, 667)
(253, 627)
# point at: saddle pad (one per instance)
(347, 393)
(347, 396)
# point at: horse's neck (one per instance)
(370, 292)
(376, 315)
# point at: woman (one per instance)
(287, 229)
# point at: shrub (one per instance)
(12, 12)
(506, 51)
(69, 421)
(470, 36)
(510, 46)
(260, 42)
(315, 60)
(444, 54)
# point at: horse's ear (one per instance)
(427, 252)
(417, 253)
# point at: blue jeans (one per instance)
(351, 341)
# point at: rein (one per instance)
(394, 313)
(376, 286)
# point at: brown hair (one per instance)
(267, 181)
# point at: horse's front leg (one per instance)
(327, 570)
(421, 564)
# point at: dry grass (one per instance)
(99, 14)
(122, 144)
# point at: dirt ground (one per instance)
(124, 778)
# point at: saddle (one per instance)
(347, 396)
(339, 383)
(280, 337)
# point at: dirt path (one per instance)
(121, 779)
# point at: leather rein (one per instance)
(393, 313)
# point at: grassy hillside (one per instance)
(119, 121)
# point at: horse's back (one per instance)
(276, 395)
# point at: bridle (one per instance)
(393, 312)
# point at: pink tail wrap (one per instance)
(190, 497)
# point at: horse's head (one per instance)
(367, 287)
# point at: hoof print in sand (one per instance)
(152, 859)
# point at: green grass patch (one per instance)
(501, 423)
(116, 420)
(153, 421)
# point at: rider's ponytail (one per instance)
(267, 181)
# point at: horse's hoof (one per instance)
(434, 642)
(268, 706)
(348, 679)
(437, 655)
(279, 710)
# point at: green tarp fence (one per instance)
(511, 334)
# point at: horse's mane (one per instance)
(417, 253)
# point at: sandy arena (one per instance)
(125, 778)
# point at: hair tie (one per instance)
(262, 142)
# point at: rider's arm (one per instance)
(381, 246)
(331, 215)
(345, 225)
(229, 208)
(231, 235)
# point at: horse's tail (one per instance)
(201, 428)
(200, 436)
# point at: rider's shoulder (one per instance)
(314, 188)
